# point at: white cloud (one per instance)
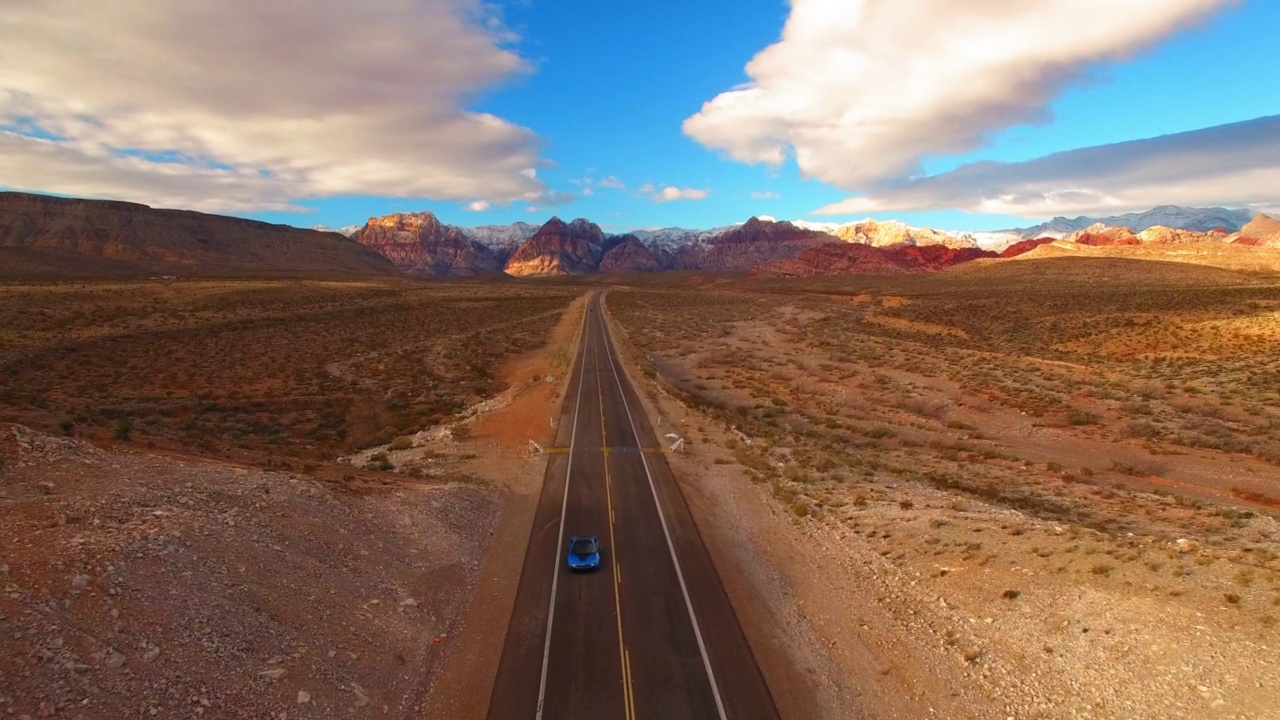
(243, 105)
(767, 195)
(612, 182)
(554, 198)
(670, 192)
(1233, 165)
(478, 206)
(861, 90)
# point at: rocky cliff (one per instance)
(559, 248)
(50, 236)
(419, 244)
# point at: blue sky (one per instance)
(329, 113)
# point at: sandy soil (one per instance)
(138, 585)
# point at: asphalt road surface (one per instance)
(651, 634)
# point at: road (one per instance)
(651, 634)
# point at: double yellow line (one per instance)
(624, 655)
(554, 450)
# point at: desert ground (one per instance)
(188, 528)
(1035, 489)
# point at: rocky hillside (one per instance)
(1100, 235)
(420, 244)
(1261, 230)
(628, 254)
(749, 245)
(559, 248)
(1024, 246)
(834, 258)
(43, 236)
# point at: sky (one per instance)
(955, 114)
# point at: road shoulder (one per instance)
(466, 678)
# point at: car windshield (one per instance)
(585, 546)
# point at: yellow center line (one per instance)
(563, 450)
(624, 656)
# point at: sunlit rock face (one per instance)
(419, 244)
(559, 248)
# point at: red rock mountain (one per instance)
(420, 244)
(858, 259)
(631, 255)
(59, 237)
(749, 245)
(930, 258)
(559, 248)
(1102, 236)
(1261, 230)
(1024, 246)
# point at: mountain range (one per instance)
(420, 245)
(45, 236)
(1170, 216)
(48, 236)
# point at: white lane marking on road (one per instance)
(684, 589)
(564, 506)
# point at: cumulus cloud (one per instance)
(245, 105)
(861, 90)
(479, 206)
(613, 182)
(671, 192)
(1235, 164)
(766, 195)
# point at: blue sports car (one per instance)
(584, 553)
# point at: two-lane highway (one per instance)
(651, 634)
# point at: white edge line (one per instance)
(564, 506)
(684, 589)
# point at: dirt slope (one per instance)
(138, 585)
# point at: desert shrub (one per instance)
(1082, 417)
(379, 461)
(122, 429)
(1143, 429)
